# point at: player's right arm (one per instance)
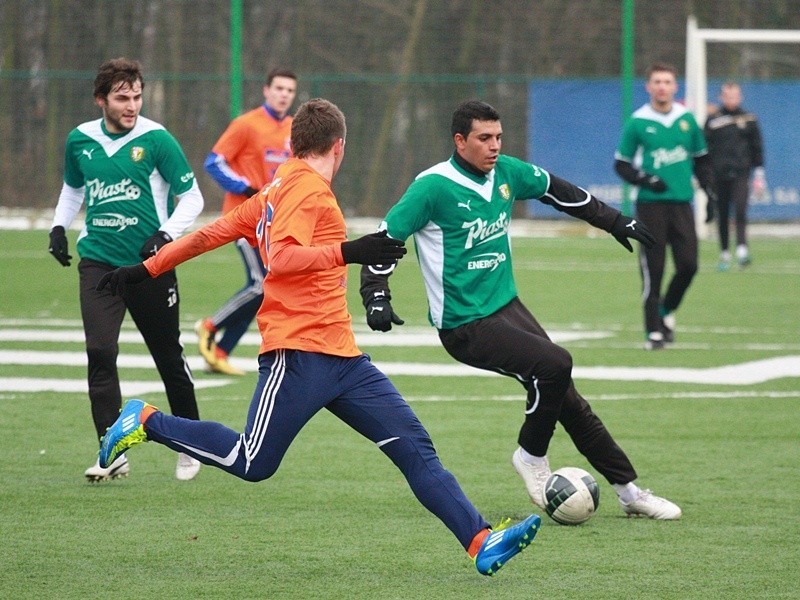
(69, 203)
(623, 161)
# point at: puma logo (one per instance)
(465, 205)
(631, 224)
(89, 152)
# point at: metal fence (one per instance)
(397, 69)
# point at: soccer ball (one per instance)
(571, 496)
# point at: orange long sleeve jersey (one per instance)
(298, 228)
(254, 145)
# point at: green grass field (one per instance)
(717, 435)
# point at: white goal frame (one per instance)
(696, 96)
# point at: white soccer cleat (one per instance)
(535, 477)
(116, 470)
(651, 506)
(655, 341)
(187, 467)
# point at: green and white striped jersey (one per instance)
(460, 223)
(663, 144)
(128, 182)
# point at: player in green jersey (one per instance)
(661, 147)
(459, 212)
(125, 171)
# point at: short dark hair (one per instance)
(657, 67)
(280, 72)
(469, 111)
(317, 124)
(116, 71)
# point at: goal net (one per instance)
(781, 150)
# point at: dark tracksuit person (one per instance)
(736, 150)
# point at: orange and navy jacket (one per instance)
(298, 227)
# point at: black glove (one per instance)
(154, 243)
(373, 249)
(711, 205)
(380, 315)
(250, 191)
(59, 247)
(652, 182)
(626, 227)
(117, 280)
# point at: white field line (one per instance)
(124, 361)
(601, 397)
(138, 388)
(747, 373)
(79, 386)
(419, 337)
(576, 335)
(571, 328)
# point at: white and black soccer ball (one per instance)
(571, 496)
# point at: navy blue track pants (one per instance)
(292, 387)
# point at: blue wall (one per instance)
(574, 126)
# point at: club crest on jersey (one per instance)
(505, 191)
(137, 153)
(684, 126)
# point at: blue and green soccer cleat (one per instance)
(504, 543)
(126, 431)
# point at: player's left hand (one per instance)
(154, 243)
(627, 227)
(381, 316)
(119, 279)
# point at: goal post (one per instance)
(697, 78)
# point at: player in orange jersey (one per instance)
(244, 160)
(309, 359)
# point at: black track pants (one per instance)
(153, 305)
(672, 224)
(733, 192)
(511, 342)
